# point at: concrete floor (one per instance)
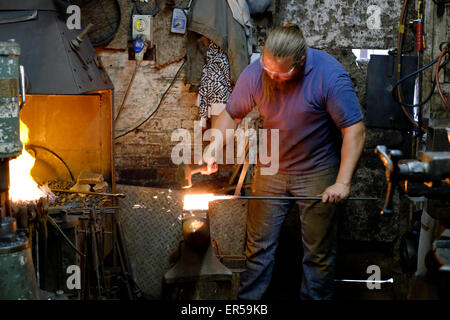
(353, 258)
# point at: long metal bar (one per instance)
(38, 267)
(95, 258)
(391, 280)
(120, 195)
(226, 197)
(55, 225)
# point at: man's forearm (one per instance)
(352, 146)
(224, 122)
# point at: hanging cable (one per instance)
(157, 107)
(401, 31)
(399, 82)
(138, 63)
(420, 46)
(33, 146)
(140, 46)
(438, 67)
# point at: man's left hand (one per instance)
(336, 193)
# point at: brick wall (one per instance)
(142, 157)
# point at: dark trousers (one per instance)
(319, 231)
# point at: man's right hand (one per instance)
(212, 166)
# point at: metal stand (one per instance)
(198, 274)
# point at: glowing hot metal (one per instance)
(201, 201)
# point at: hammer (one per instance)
(75, 43)
(185, 172)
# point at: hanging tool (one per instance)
(246, 161)
(79, 39)
(420, 38)
(241, 178)
(444, 51)
(75, 44)
(185, 172)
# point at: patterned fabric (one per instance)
(215, 84)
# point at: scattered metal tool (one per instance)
(119, 195)
(185, 172)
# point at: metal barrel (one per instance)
(17, 274)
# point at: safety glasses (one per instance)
(272, 74)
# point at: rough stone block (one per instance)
(79, 187)
(101, 187)
(86, 177)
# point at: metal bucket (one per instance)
(17, 277)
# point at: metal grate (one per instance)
(152, 230)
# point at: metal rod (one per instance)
(38, 267)
(288, 198)
(391, 280)
(120, 195)
(55, 225)
(96, 258)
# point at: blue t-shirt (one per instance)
(308, 117)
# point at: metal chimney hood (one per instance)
(51, 65)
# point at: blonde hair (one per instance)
(287, 41)
(283, 42)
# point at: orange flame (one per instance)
(22, 186)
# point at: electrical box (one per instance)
(142, 27)
(382, 110)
